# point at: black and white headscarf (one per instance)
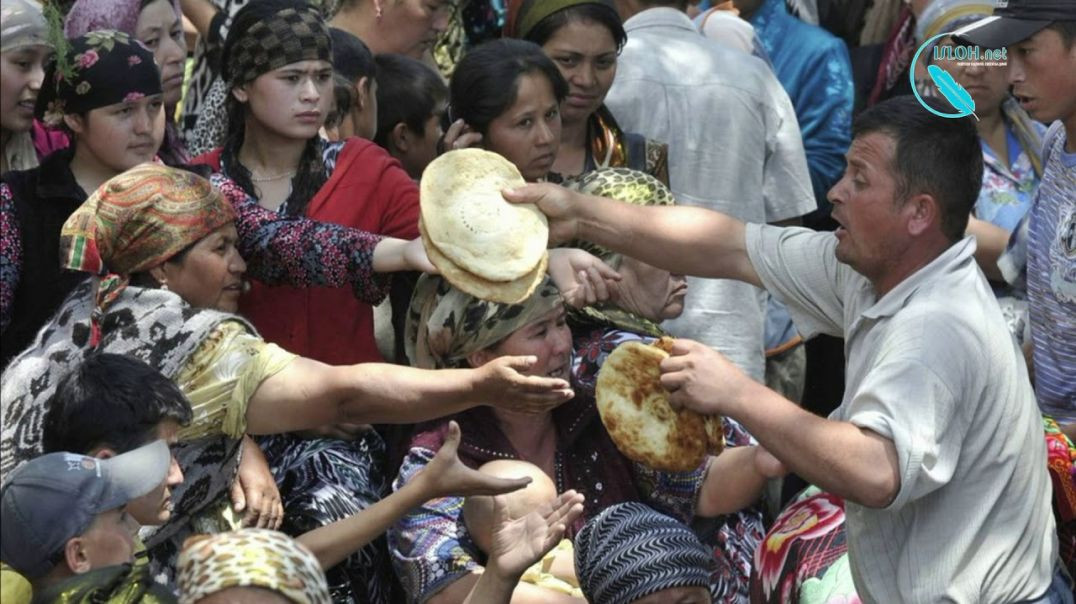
(630, 551)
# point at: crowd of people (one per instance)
(232, 374)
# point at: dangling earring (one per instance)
(164, 286)
(378, 12)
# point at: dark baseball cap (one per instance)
(1014, 21)
(55, 497)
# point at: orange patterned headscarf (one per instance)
(136, 221)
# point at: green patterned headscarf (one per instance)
(629, 186)
(445, 325)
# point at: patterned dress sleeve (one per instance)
(430, 547)
(298, 251)
(10, 255)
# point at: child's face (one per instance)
(361, 121)
(424, 149)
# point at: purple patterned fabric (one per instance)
(92, 15)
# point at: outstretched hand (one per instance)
(555, 202)
(254, 492)
(501, 383)
(446, 475)
(582, 278)
(517, 544)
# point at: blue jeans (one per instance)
(1059, 592)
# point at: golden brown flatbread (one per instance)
(635, 410)
(470, 223)
(504, 292)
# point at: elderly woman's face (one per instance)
(548, 338)
(22, 71)
(210, 275)
(650, 292)
(528, 132)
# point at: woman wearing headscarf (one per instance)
(643, 298)
(277, 64)
(161, 243)
(1011, 142)
(109, 95)
(434, 556)
(24, 49)
(615, 557)
(157, 24)
(583, 38)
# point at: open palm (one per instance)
(519, 543)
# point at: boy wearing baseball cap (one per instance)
(1040, 38)
(63, 515)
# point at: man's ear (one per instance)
(75, 556)
(922, 212)
(400, 137)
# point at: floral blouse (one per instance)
(1008, 184)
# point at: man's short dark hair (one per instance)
(113, 401)
(934, 155)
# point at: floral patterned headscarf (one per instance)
(445, 325)
(92, 15)
(138, 220)
(98, 69)
(250, 558)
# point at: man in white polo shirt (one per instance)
(937, 446)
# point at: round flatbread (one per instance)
(504, 292)
(635, 409)
(471, 224)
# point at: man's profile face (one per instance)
(871, 232)
(1042, 72)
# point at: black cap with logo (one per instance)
(1014, 21)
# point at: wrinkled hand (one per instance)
(768, 465)
(702, 379)
(517, 544)
(254, 489)
(344, 431)
(459, 136)
(502, 384)
(447, 476)
(582, 278)
(555, 202)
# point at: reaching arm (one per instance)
(735, 480)
(444, 476)
(680, 239)
(307, 394)
(517, 544)
(990, 242)
(10, 255)
(842, 458)
(200, 13)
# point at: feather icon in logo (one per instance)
(952, 91)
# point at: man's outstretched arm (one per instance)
(683, 240)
